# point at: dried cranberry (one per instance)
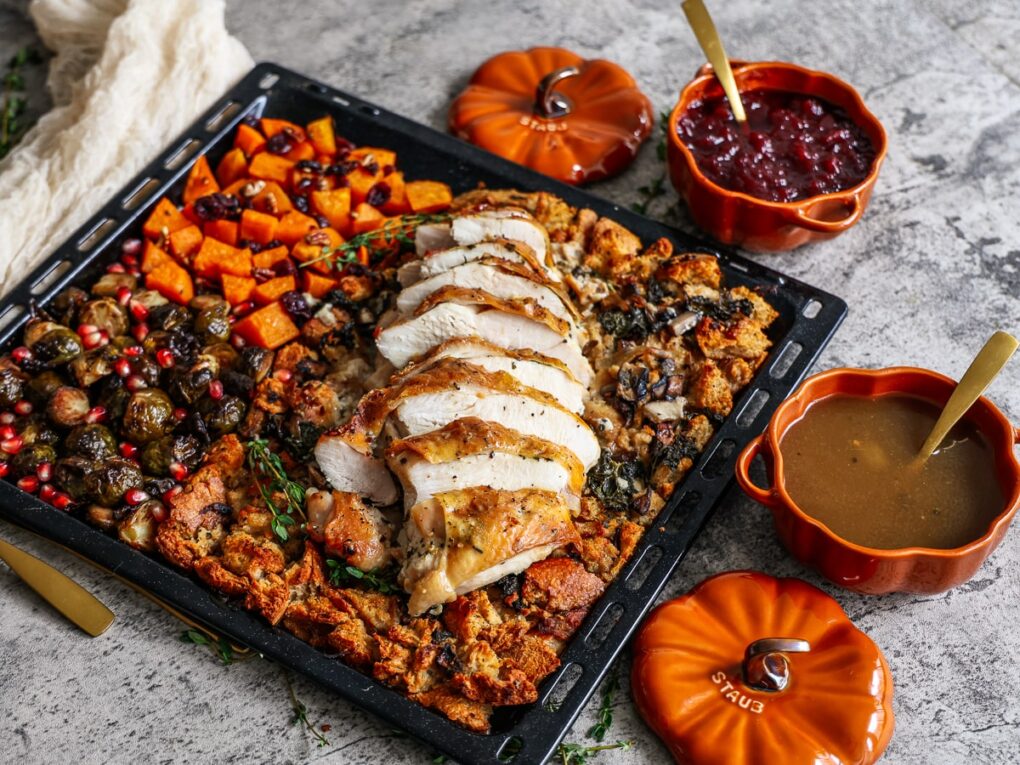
(341, 168)
(371, 167)
(281, 143)
(387, 169)
(379, 194)
(309, 166)
(272, 244)
(296, 305)
(301, 203)
(322, 220)
(131, 247)
(304, 184)
(285, 267)
(343, 146)
(218, 207)
(251, 120)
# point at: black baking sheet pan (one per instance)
(530, 734)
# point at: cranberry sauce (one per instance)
(794, 146)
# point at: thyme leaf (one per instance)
(301, 715)
(605, 714)
(657, 187)
(340, 573)
(271, 478)
(220, 647)
(396, 233)
(579, 754)
(13, 105)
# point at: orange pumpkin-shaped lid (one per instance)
(553, 111)
(746, 668)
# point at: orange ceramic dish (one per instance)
(865, 569)
(748, 669)
(733, 217)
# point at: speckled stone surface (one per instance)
(930, 272)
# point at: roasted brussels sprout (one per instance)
(149, 415)
(70, 475)
(36, 429)
(213, 323)
(92, 441)
(201, 302)
(31, 457)
(149, 299)
(223, 416)
(65, 305)
(43, 385)
(148, 370)
(189, 384)
(36, 329)
(12, 388)
(114, 397)
(94, 365)
(157, 455)
(106, 484)
(169, 316)
(100, 516)
(138, 527)
(108, 284)
(256, 362)
(224, 353)
(68, 406)
(105, 313)
(58, 346)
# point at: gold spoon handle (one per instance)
(979, 374)
(63, 593)
(708, 38)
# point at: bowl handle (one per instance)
(762, 496)
(798, 217)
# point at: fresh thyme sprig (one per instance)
(657, 187)
(396, 231)
(11, 129)
(301, 715)
(220, 647)
(271, 478)
(579, 754)
(605, 714)
(340, 574)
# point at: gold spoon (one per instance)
(61, 592)
(986, 365)
(710, 42)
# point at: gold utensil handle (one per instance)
(60, 591)
(708, 38)
(986, 365)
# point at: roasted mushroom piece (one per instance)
(106, 484)
(68, 406)
(92, 441)
(149, 415)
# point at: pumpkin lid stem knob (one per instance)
(765, 665)
(549, 103)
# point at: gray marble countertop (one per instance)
(933, 268)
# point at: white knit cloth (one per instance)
(127, 76)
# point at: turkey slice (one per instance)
(472, 452)
(472, 228)
(459, 541)
(438, 261)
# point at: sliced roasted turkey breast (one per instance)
(348, 528)
(498, 278)
(453, 312)
(471, 228)
(438, 261)
(532, 369)
(459, 541)
(471, 452)
(346, 457)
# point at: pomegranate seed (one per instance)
(116, 268)
(7, 431)
(47, 492)
(134, 351)
(131, 247)
(178, 471)
(135, 272)
(23, 407)
(124, 295)
(21, 354)
(7, 418)
(12, 445)
(173, 491)
(159, 513)
(283, 375)
(139, 311)
(135, 383)
(140, 331)
(242, 308)
(44, 470)
(131, 261)
(165, 358)
(237, 341)
(95, 414)
(5, 468)
(216, 390)
(127, 449)
(122, 367)
(61, 501)
(29, 483)
(135, 496)
(91, 340)
(180, 414)
(104, 336)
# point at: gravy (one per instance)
(847, 463)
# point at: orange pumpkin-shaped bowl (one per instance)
(733, 217)
(551, 110)
(865, 569)
(749, 669)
